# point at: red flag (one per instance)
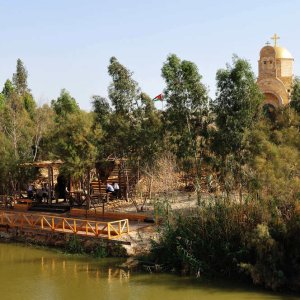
(159, 97)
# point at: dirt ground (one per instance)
(176, 201)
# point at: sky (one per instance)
(68, 43)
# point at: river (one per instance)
(30, 273)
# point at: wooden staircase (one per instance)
(121, 174)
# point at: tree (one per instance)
(20, 78)
(237, 109)
(123, 91)
(7, 91)
(101, 109)
(102, 115)
(73, 141)
(124, 94)
(65, 104)
(20, 86)
(44, 125)
(295, 96)
(149, 137)
(8, 88)
(16, 127)
(187, 108)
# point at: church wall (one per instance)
(286, 68)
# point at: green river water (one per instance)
(29, 273)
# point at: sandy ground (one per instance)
(175, 201)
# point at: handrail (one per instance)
(92, 228)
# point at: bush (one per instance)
(74, 245)
(255, 239)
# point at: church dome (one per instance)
(282, 53)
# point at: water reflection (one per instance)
(28, 273)
(76, 269)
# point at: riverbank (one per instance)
(65, 242)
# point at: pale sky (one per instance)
(68, 43)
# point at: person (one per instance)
(116, 189)
(30, 192)
(39, 194)
(109, 188)
(91, 189)
(45, 192)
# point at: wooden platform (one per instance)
(76, 212)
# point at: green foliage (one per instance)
(295, 95)
(187, 103)
(74, 245)
(275, 150)
(237, 106)
(123, 91)
(64, 104)
(8, 89)
(29, 104)
(134, 128)
(100, 251)
(72, 141)
(220, 239)
(101, 109)
(20, 78)
(2, 101)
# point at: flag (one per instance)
(159, 97)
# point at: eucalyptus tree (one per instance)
(187, 110)
(123, 90)
(123, 93)
(237, 109)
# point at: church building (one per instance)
(275, 74)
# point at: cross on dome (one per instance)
(275, 37)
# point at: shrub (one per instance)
(256, 240)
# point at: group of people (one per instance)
(39, 193)
(113, 188)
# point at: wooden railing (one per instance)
(57, 224)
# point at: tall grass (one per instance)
(254, 239)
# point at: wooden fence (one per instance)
(109, 230)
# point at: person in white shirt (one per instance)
(116, 189)
(109, 188)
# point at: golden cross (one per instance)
(275, 37)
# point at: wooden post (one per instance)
(88, 200)
(49, 184)
(119, 182)
(127, 186)
(71, 184)
(52, 183)
(99, 185)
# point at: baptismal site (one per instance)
(188, 183)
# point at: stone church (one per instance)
(275, 74)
